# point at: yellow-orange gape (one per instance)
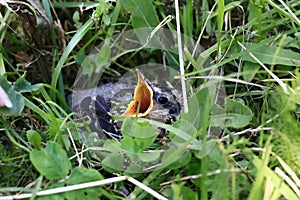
(150, 100)
(142, 102)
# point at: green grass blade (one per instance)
(74, 41)
(220, 21)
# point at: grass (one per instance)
(239, 139)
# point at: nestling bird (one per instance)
(150, 100)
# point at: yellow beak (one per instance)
(142, 102)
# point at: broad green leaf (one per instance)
(188, 129)
(181, 161)
(52, 161)
(175, 152)
(22, 85)
(217, 118)
(134, 169)
(199, 109)
(176, 191)
(113, 162)
(102, 8)
(112, 145)
(34, 138)
(137, 135)
(136, 129)
(249, 70)
(128, 144)
(96, 62)
(16, 99)
(84, 175)
(292, 42)
(76, 19)
(59, 196)
(237, 114)
(176, 131)
(255, 11)
(188, 194)
(55, 126)
(223, 189)
(143, 15)
(149, 156)
(103, 58)
(266, 54)
(206, 148)
(179, 191)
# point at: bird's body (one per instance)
(145, 99)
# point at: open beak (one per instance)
(142, 102)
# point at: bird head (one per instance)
(153, 101)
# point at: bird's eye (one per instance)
(162, 100)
